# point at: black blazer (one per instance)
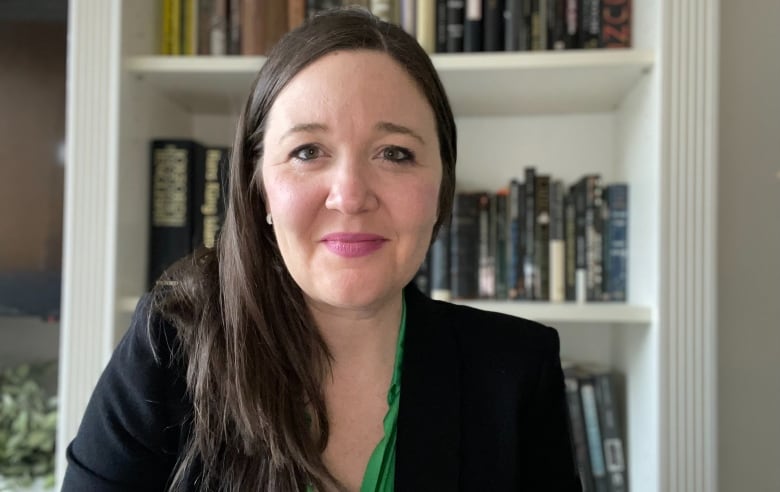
(482, 407)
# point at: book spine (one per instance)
(594, 230)
(616, 242)
(578, 192)
(455, 19)
(487, 279)
(571, 246)
(464, 244)
(218, 28)
(578, 433)
(538, 16)
(593, 431)
(176, 29)
(529, 257)
(502, 240)
(408, 16)
(556, 25)
(171, 204)
(189, 38)
(541, 258)
(493, 25)
(234, 27)
(166, 44)
(590, 30)
(211, 213)
(472, 34)
(611, 433)
(263, 24)
(426, 25)
(440, 265)
(573, 23)
(296, 13)
(557, 244)
(516, 27)
(197, 165)
(616, 24)
(441, 26)
(514, 244)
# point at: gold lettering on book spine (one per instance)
(211, 193)
(169, 187)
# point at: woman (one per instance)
(296, 356)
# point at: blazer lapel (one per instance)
(428, 438)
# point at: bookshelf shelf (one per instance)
(603, 313)
(545, 312)
(582, 81)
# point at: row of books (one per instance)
(595, 424)
(536, 240)
(187, 200)
(252, 27)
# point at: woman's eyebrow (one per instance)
(388, 127)
(304, 127)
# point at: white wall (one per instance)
(749, 247)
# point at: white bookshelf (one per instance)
(642, 115)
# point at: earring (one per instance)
(269, 219)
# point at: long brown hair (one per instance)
(253, 356)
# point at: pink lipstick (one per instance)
(350, 245)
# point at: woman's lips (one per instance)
(353, 245)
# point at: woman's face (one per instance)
(351, 172)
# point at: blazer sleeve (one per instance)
(129, 434)
(552, 455)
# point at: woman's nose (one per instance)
(352, 188)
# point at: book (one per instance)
(172, 202)
(593, 433)
(516, 25)
(426, 25)
(262, 25)
(557, 254)
(212, 27)
(541, 257)
(615, 24)
(529, 254)
(441, 26)
(455, 20)
(579, 436)
(234, 27)
(615, 241)
(538, 23)
(472, 26)
(556, 25)
(408, 16)
(209, 195)
(440, 265)
(515, 246)
(493, 25)
(499, 230)
(570, 225)
(590, 24)
(189, 27)
(487, 267)
(611, 432)
(464, 246)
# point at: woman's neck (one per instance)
(361, 341)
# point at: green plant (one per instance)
(28, 422)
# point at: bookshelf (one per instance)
(645, 116)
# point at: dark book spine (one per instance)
(440, 265)
(578, 433)
(472, 34)
(171, 204)
(570, 227)
(234, 27)
(573, 23)
(515, 247)
(542, 238)
(594, 231)
(464, 254)
(616, 24)
(590, 30)
(198, 194)
(501, 229)
(493, 18)
(516, 25)
(441, 26)
(538, 23)
(455, 18)
(611, 432)
(590, 415)
(578, 192)
(616, 242)
(556, 25)
(487, 267)
(211, 213)
(529, 255)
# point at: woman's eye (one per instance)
(397, 154)
(306, 153)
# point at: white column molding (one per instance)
(690, 44)
(88, 290)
